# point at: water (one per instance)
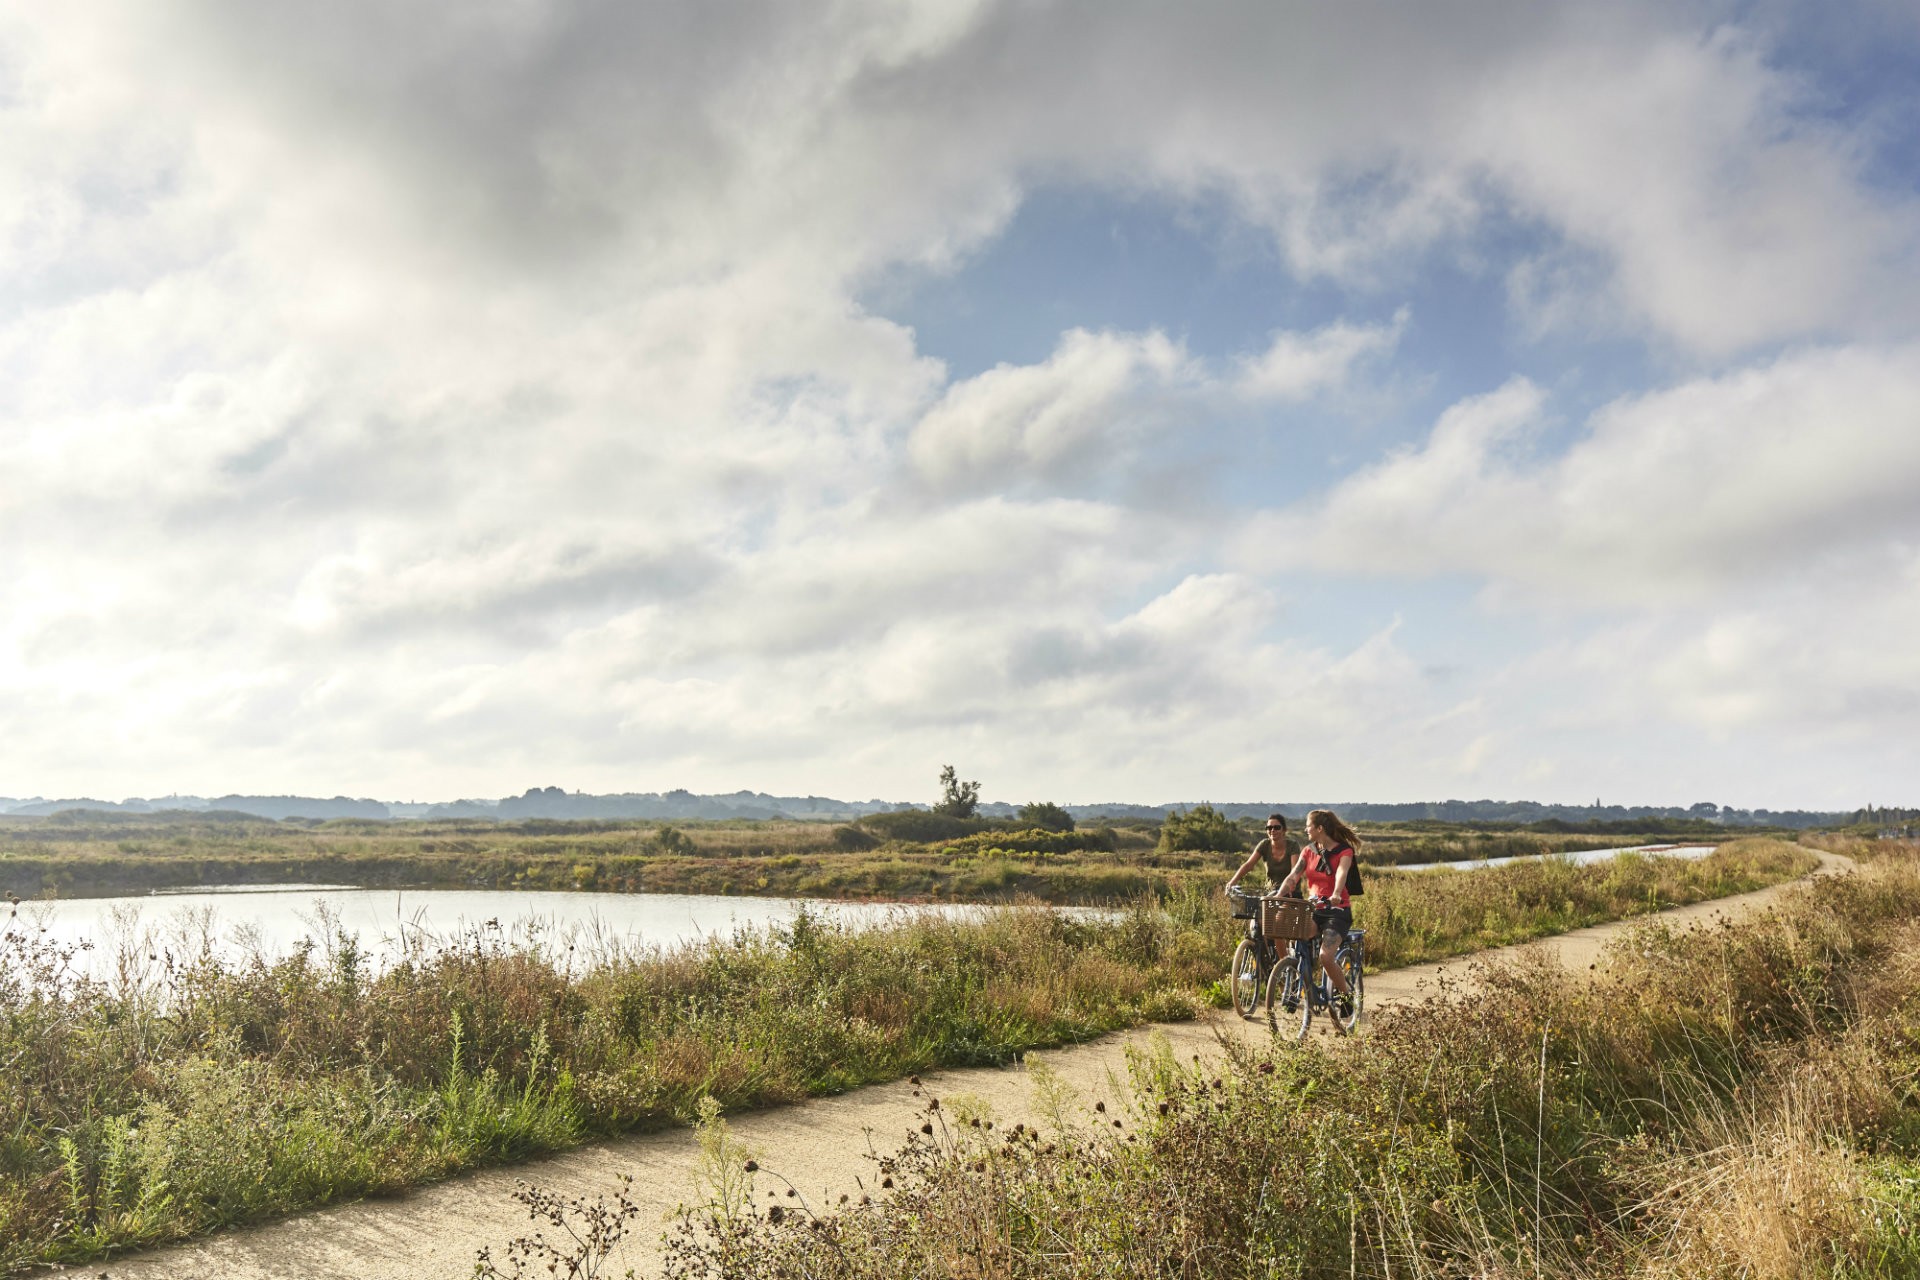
(1579, 859)
(236, 921)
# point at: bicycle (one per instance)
(1297, 986)
(1253, 959)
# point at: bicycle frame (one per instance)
(1304, 987)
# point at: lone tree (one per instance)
(957, 799)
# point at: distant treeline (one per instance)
(1513, 813)
(557, 804)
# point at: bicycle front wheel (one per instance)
(1289, 1011)
(1356, 989)
(1244, 979)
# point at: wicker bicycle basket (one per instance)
(1286, 918)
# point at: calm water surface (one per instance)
(1578, 859)
(235, 921)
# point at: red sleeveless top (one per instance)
(1320, 883)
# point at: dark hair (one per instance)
(1280, 850)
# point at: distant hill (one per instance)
(278, 807)
(552, 802)
(41, 808)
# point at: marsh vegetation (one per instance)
(909, 855)
(1739, 1102)
(188, 1094)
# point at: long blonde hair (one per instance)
(1329, 822)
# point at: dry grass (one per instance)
(1734, 1103)
(186, 1096)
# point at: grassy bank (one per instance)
(93, 855)
(1417, 916)
(214, 1095)
(201, 1096)
(1741, 1103)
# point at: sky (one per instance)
(1117, 401)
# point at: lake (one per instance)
(238, 920)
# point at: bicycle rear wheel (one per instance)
(1356, 988)
(1289, 1011)
(1244, 978)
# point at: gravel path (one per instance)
(433, 1233)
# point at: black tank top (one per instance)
(1277, 868)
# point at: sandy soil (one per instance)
(821, 1146)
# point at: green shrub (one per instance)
(917, 826)
(1202, 828)
(853, 839)
(1047, 815)
(672, 840)
(1035, 840)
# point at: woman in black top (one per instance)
(1276, 851)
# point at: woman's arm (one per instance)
(1340, 875)
(1246, 866)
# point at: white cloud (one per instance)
(1098, 402)
(1093, 395)
(1724, 482)
(1731, 214)
(1298, 365)
(447, 394)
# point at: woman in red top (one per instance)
(1325, 860)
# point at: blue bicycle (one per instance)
(1298, 986)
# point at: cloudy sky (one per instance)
(1116, 400)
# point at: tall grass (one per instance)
(1415, 916)
(1733, 1102)
(182, 1094)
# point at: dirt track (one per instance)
(821, 1146)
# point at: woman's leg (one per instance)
(1329, 951)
